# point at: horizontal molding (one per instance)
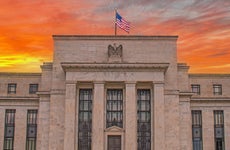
(137, 67)
(20, 74)
(16, 98)
(208, 75)
(210, 100)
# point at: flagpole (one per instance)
(115, 23)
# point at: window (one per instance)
(219, 129)
(12, 88)
(197, 129)
(114, 107)
(217, 89)
(196, 89)
(9, 129)
(85, 119)
(33, 88)
(144, 119)
(31, 134)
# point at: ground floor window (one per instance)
(85, 119)
(144, 119)
(31, 130)
(9, 129)
(219, 129)
(197, 129)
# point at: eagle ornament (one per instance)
(114, 51)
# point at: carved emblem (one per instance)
(115, 51)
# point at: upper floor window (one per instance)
(33, 88)
(217, 89)
(196, 89)
(114, 108)
(12, 88)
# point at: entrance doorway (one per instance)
(114, 142)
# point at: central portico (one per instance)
(115, 92)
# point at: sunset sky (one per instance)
(27, 26)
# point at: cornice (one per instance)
(182, 66)
(185, 94)
(112, 37)
(210, 99)
(209, 75)
(43, 93)
(17, 98)
(20, 74)
(69, 67)
(48, 66)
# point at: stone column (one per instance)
(98, 117)
(158, 114)
(130, 117)
(70, 113)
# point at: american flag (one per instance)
(122, 23)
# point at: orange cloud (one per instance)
(27, 27)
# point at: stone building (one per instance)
(114, 93)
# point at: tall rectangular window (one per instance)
(144, 119)
(31, 134)
(196, 89)
(219, 129)
(85, 119)
(12, 88)
(114, 108)
(33, 88)
(217, 89)
(197, 129)
(9, 129)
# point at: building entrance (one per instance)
(114, 142)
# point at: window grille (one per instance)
(217, 89)
(33, 88)
(31, 134)
(144, 119)
(114, 107)
(197, 129)
(12, 88)
(219, 129)
(85, 119)
(9, 129)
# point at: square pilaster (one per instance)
(98, 117)
(159, 116)
(130, 116)
(70, 111)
